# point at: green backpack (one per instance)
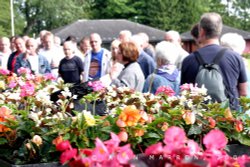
(210, 76)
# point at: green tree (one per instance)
(110, 9)
(242, 11)
(170, 14)
(5, 26)
(49, 14)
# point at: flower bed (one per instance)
(32, 124)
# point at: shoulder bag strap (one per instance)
(219, 56)
(199, 58)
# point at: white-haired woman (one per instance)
(166, 73)
(237, 43)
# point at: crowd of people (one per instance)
(131, 60)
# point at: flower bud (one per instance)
(212, 122)
(120, 123)
(164, 126)
(37, 140)
(228, 114)
(238, 126)
(123, 136)
(189, 117)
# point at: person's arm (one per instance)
(242, 88)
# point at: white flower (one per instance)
(34, 116)
(66, 93)
(43, 97)
(74, 97)
(190, 103)
(13, 96)
(48, 110)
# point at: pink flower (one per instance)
(96, 85)
(27, 90)
(191, 148)
(12, 84)
(124, 154)
(23, 70)
(186, 87)
(212, 136)
(4, 71)
(242, 160)
(63, 146)
(113, 143)
(175, 135)
(110, 163)
(49, 76)
(100, 152)
(154, 149)
(68, 155)
(165, 90)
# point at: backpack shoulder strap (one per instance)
(199, 58)
(219, 56)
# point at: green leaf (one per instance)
(243, 139)
(3, 141)
(195, 130)
(151, 135)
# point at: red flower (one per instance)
(63, 146)
(86, 151)
(68, 155)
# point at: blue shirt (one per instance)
(95, 65)
(231, 65)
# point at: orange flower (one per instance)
(57, 140)
(129, 117)
(5, 115)
(228, 114)
(238, 126)
(212, 122)
(139, 132)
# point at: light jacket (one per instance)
(104, 65)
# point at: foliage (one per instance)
(160, 14)
(5, 26)
(31, 124)
(32, 16)
(50, 14)
(120, 9)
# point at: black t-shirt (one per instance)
(71, 69)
